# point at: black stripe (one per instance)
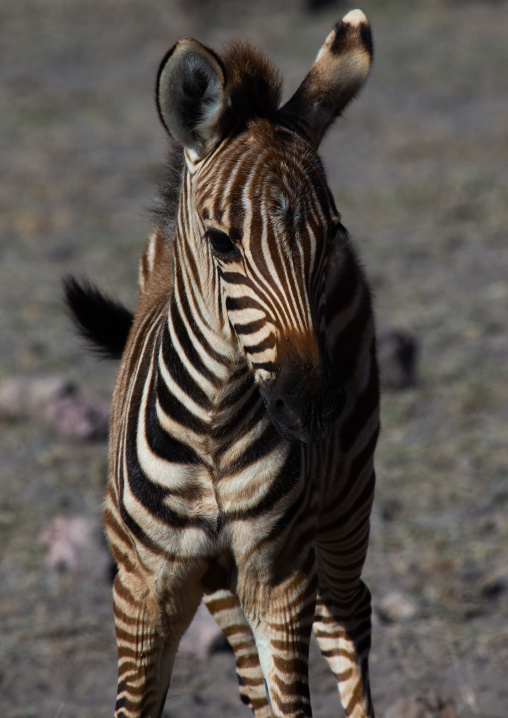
(343, 292)
(189, 315)
(266, 365)
(180, 374)
(236, 278)
(187, 345)
(366, 37)
(250, 327)
(177, 411)
(136, 530)
(348, 342)
(232, 432)
(363, 500)
(150, 494)
(241, 391)
(267, 343)
(288, 477)
(287, 517)
(262, 446)
(234, 304)
(159, 440)
(365, 405)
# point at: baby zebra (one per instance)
(246, 410)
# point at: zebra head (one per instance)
(256, 206)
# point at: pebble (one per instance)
(23, 397)
(396, 606)
(494, 583)
(73, 417)
(397, 352)
(58, 403)
(76, 544)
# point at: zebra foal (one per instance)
(245, 414)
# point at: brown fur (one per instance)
(253, 83)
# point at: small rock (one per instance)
(75, 418)
(23, 397)
(390, 508)
(493, 583)
(431, 706)
(57, 402)
(397, 353)
(203, 637)
(396, 606)
(76, 544)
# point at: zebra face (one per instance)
(260, 203)
(270, 222)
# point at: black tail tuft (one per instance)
(103, 322)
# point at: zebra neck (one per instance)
(204, 382)
(197, 290)
(196, 313)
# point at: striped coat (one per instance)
(245, 414)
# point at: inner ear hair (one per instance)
(190, 95)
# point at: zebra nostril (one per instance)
(284, 414)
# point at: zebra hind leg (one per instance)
(344, 639)
(225, 608)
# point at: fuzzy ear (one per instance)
(190, 95)
(339, 72)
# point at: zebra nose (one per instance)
(284, 414)
(301, 406)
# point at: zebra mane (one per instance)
(165, 206)
(254, 86)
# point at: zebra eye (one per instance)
(220, 241)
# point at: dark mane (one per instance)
(254, 85)
(165, 207)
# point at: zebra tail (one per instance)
(103, 323)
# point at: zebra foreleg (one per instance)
(225, 608)
(148, 631)
(342, 626)
(281, 620)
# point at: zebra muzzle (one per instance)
(303, 406)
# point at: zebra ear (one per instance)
(341, 68)
(190, 95)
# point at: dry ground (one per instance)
(419, 168)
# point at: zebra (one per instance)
(246, 409)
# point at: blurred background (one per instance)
(419, 170)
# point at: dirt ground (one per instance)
(419, 169)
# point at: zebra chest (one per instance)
(209, 482)
(178, 493)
